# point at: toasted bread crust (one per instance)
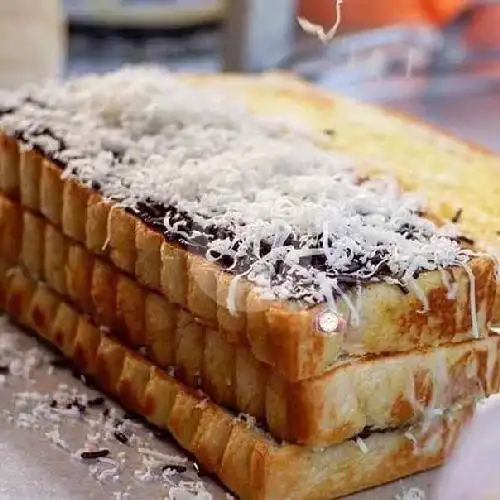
(383, 391)
(280, 336)
(248, 462)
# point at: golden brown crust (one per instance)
(246, 460)
(378, 391)
(280, 336)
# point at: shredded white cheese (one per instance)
(411, 437)
(231, 296)
(472, 291)
(362, 445)
(316, 30)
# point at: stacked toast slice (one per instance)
(384, 391)
(245, 380)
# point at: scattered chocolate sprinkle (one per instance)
(81, 407)
(93, 455)
(329, 131)
(98, 401)
(159, 434)
(54, 403)
(35, 102)
(7, 110)
(106, 412)
(4, 370)
(457, 216)
(120, 436)
(76, 403)
(179, 469)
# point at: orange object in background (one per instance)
(364, 14)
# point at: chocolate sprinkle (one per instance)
(98, 401)
(81, 407)
(93, 455)
(4, 370)
(466, 240)
(158, 433)
(179, 469)
(121, 437)
(456, 218)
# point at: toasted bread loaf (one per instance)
(247, 461)
(371, 391)
(279, 334)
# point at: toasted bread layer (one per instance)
(279, 334)
(248, 462)
(376, 391)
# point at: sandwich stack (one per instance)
(303, 329)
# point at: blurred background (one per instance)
(436, 59)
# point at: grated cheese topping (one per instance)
(362, 445)
(256, 195)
